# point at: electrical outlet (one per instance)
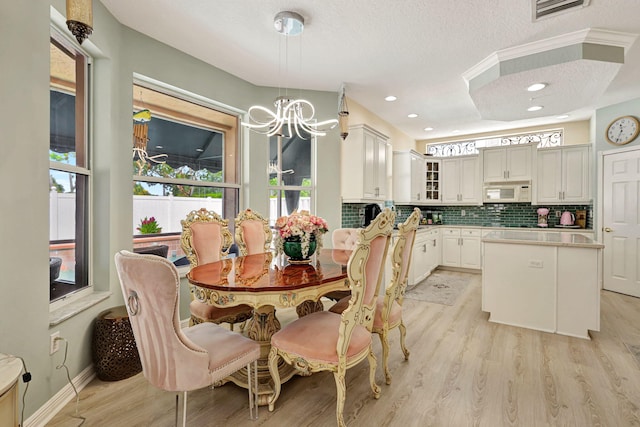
(557, 213)
(54, 344)
(463, 212)
(361, 212)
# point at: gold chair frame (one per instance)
(397, 288)
(357, 313)
(229, 315)
(250, 215)
(203, 215)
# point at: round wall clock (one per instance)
(623, 130)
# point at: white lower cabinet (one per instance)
(461, 247)
(426, 255)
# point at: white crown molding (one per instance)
(589, 35)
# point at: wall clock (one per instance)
(623, 130)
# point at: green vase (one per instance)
(293, 249)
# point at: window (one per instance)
(69, 175)
(290, 174)
(542, 139)
(185, 157)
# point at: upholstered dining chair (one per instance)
(326, 341)
(389, 305)
(206, 238)
(346, 239)
(253, 235)
(175, 359)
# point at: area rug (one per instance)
(635, 350)
(441, 287)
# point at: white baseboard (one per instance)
(54, 405)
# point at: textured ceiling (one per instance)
(417, 50)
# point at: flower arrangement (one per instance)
(149, 226)
(300, 227)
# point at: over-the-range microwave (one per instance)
(514, 192)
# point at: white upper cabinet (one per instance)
(364, 165)
(562, 175)
(509, 163)
(433, 195)
(461, 181)
(408, 177)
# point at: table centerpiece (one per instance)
(299, 235)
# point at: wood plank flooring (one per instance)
(463, 371)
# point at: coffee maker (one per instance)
(370, 213)
(543, 217)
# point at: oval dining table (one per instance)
(267, 282)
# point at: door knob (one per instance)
(608, 230)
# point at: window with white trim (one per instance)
(69, 173)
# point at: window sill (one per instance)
(69, 310)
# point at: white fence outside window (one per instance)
(167, 210)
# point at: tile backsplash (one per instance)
(487, 215)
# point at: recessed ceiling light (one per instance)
(536, 87)
(159, 146)
(390, 98)
(534, 108)
(562, 116)
(199, 150)
(412, 115)
(428, 129)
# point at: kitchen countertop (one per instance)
(541, 239)
(505, 227)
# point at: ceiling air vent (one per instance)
(545, 8)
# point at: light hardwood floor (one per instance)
(463, 371)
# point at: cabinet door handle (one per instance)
(559, 195)
(424, 248)
(608, 230)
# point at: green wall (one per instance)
(24, 119)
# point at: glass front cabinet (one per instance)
(432, 181)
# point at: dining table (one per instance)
(268, 282)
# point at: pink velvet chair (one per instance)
(253, 235)
(346, 239)
(325, 341)
(389, 305)
(206, 238)
(175, 359)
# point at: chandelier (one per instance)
(291, 116)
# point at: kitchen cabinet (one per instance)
(408, 177)
(425, 256)
(461, 247)
(542, 281)
(509, 163)
(461, 181)
(364, 165)
(433, 194)
(562, 175)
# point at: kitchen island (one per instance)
(544, 281)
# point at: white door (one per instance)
(621, 222)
